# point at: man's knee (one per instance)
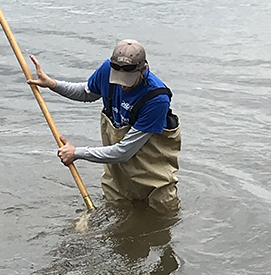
(164, 199)
(111, 194)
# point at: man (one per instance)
(141, 137)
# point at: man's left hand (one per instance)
(66, 153)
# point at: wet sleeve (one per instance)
(75, 91)
(119, 152)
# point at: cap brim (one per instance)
(127, 79)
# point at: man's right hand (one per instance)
(43, 79)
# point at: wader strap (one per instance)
(172, 120)
(108, 101)
(134, 112)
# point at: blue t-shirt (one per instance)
(151, 117)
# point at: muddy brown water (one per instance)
(215, 56)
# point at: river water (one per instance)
(216, 58)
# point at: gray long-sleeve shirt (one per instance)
(119, 152)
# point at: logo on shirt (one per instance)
(126, 105)
(115, 109)
(124, 120)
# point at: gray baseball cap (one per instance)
(127, 62)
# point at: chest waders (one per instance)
(149, 174)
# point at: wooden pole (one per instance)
(44, 108)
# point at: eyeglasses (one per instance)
(126, 68)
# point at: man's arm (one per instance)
(75, 91)
(119, 152)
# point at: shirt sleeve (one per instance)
(119, 152)
(98, 82)
(75, 91)
(152, 116)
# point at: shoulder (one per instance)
(154, 83)
(103, 70)
(106, 63)
(105, 66)
(153, 80)
(99, 80)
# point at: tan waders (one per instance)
(149, 174)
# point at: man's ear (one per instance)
(146, 66)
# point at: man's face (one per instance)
(137, 82)
(128, 89)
